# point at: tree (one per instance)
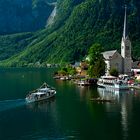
(95, 53)
(68, 70)
(99, 68)
(114, 72)
(90, 71)
(96, 62)
(71, 70)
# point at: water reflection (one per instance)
(123, 100)
(86, 93)
(109, 94)
(43, 106)
(124, 120)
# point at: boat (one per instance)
(43, 93)
(56, 77)
(87, 82)
(112, 82)
(83, 83)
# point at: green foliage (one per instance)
(13, 44)
(71, 71)
(91, 71)
(94, 53)
(97, 64)
(99, 68)
(78, 25)
(114, 72)
(62, 72)
(137, 81)
(67, 71)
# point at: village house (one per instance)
(136, 69)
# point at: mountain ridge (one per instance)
(78, 25)
(18, 16)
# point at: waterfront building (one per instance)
(122, 62)
(136, 69)
(113, 60)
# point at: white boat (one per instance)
(109, 82)
(43, 93)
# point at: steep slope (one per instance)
(23, 15)
(12, 44)
(14, 19)
(78, 25)
(39, 36)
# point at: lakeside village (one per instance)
(108, 69)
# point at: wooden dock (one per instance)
(101, 100)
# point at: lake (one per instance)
(71, 115)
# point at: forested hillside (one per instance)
(79, 24)
(23, 15)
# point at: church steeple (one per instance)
(125, 30)
(126, 43)
(126, 47)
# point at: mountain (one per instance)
(77, 25)
(24, 15)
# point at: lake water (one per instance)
(71, 115)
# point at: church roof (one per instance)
(109, 54)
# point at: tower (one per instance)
(126, 48)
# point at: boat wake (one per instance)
(11, 104)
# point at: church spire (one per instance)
(126, 48)
(125, 30)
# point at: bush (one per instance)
(114, 72)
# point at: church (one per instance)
(122, 62)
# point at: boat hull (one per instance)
(115, 86)
(28, 100)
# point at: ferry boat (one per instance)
(112, 82)
(43, 93)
